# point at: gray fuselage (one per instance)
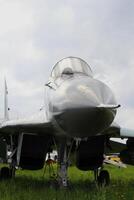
(79, 105)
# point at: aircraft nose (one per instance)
(83, 95)
(84, 92)
(85, 122)
(80, 113)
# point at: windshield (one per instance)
(70, 66)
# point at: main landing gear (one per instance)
(7, 172)
(102, 177)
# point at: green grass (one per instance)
(30, 185)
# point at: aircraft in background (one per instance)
(78, 117)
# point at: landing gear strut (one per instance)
(64, 151)
(63, 165)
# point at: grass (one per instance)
(30, 185)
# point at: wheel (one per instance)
(5, 173)
(103, 178)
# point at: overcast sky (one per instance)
(35, 34)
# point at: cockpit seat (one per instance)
(67, 71)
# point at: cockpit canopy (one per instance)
(70, 66)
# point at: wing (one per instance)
(116, 131)
(36, 124)
(114, 144)
(113, 130)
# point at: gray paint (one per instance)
(77, 105)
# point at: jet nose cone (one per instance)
(79, 110)
(85, 92)
(86, 121)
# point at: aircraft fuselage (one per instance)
(77, 105)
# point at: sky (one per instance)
(35, 34)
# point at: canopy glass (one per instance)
(69, 66)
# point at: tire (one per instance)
(5, 173)
(103, 178)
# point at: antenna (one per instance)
(6, 109)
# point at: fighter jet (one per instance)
(78, 117)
